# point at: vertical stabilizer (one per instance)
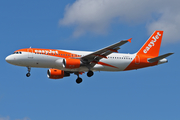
(152, 45)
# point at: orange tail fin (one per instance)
(152, 45)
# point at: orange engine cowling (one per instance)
(56, 74)
(71, 63)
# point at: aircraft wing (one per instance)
(103, 53)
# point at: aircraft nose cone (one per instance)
(9, 59)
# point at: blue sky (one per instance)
(149, 93)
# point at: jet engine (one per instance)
(71, 63)
(56, 74)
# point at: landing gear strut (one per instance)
(90, 73)
(28, 74)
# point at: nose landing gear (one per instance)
(28, 74)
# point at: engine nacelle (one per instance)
(71, 63)
(56, 74)
(59, 63)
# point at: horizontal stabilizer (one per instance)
(159, 57)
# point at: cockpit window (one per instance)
(17, 53)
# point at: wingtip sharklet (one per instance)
(129, 40)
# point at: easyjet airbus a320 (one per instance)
(62, 63)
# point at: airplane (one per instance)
(62, 63)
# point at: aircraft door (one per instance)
(137, 60)
(30, 53)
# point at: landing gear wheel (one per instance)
(28, 74)
(78, 80)
(90, 73)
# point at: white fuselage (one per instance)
(114, 62)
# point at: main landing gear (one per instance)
(79, 80)
(90, 73)
(28, 74)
